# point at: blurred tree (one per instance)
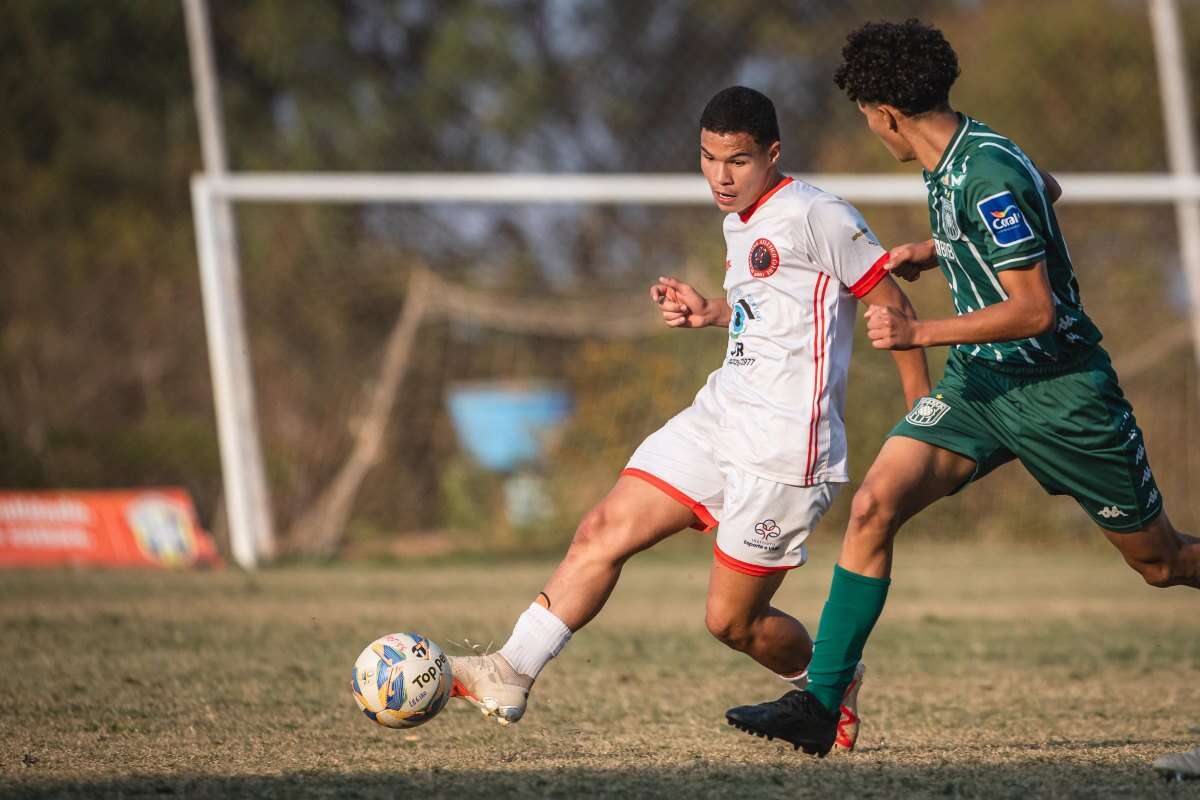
(101, 349)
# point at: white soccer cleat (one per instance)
(490, 684)
(1179, 766)
(847, 728)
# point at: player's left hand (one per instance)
(890, 328)
(680, 304)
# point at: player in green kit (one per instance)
(1026, 378)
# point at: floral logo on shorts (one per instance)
(767, 529)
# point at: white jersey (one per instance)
(796, 262)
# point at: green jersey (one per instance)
(989, 211)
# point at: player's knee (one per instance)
(731, 629)
(872, 513)
(599, 535)
(589, 535)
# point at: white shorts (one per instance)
(761, 525)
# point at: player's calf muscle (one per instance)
(774, 639)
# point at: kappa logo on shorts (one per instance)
(1111, 512)
(768, 529)
(928, 411)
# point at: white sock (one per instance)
(537, 637)
(800, 680)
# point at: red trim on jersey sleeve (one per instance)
(743, 567)
(744, 216)
(707, 521)
(869, 281)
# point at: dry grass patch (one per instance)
(995, 672)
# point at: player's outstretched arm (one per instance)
(683, 307)
(914, 371)
(1028, 311)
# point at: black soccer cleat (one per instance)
(797, 718)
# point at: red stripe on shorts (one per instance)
(743, 567)
(707, 521)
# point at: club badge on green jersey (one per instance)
(1004, 220)
(949, 218)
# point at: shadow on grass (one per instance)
(806, 778)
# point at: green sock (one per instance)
(855, 602)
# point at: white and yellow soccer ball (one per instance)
(402, 680)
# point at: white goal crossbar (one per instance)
(640, 189)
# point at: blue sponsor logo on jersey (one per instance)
(1004, 219)
(744, 309)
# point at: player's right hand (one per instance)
(681, 306)
(908, 261)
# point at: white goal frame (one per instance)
(216, 190)
(241, 459)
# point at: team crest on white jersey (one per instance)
(928, 411)
(764, 258)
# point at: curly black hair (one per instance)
(741, 110)
(907, 64)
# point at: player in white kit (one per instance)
(761, 452)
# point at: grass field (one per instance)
(995, 672)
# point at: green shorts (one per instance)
(1070, 426)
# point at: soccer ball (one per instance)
(401, 680)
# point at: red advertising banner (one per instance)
(135, 528)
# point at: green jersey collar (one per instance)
(964, 122)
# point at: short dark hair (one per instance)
(907, 64)
(741, 110)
